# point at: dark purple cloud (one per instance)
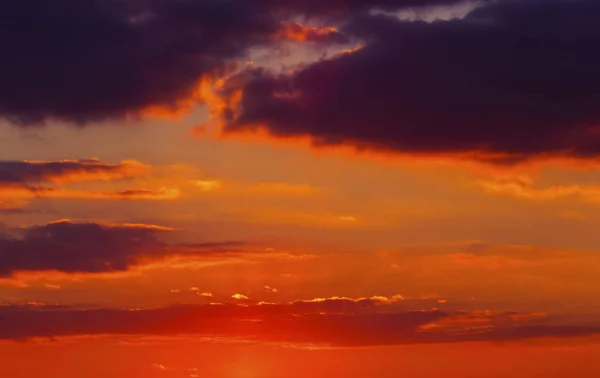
(275, 323)
(339, 9)
(87, 60)
(33, 172)
(72, 247)
(87, 248)
(516, 78)
(12, 210)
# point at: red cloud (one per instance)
(33, 172)
(282, 323)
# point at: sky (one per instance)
(283, 188)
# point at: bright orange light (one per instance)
(302, 33)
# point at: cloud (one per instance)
(208, 185)
(27, 179)
(143, 226)
(17, 208)
(209, 320)
(344, 8)
(164, 193)
(302, 33)
(51, 286)
(12, 211)
(123, 56)
(284, 323)
(8, 208)
(270, 289)
(88, 248)
(130, 57)
(33, 172)
(523, 187)
(510, 81)
(159, 367)
(31, 305)
(147, 194)
(282, 188)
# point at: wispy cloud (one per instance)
(70, 247)
(329, 322)
(524, 187)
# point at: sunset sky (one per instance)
(286, 188)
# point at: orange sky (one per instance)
(437, 235)
(169, 244)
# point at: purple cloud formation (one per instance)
(323, 324)
(88, 248)
(513, 79)
(33, 172)
(82, 61)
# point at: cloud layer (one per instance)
(88, 248)
(335, 322)
(35, 172)
(82, 61)
(85, 61)
(27, 179)
(513, 79)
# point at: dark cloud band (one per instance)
(511, 80)
(82, 61)
(88, 248)
(283, 323)
(32, 172)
